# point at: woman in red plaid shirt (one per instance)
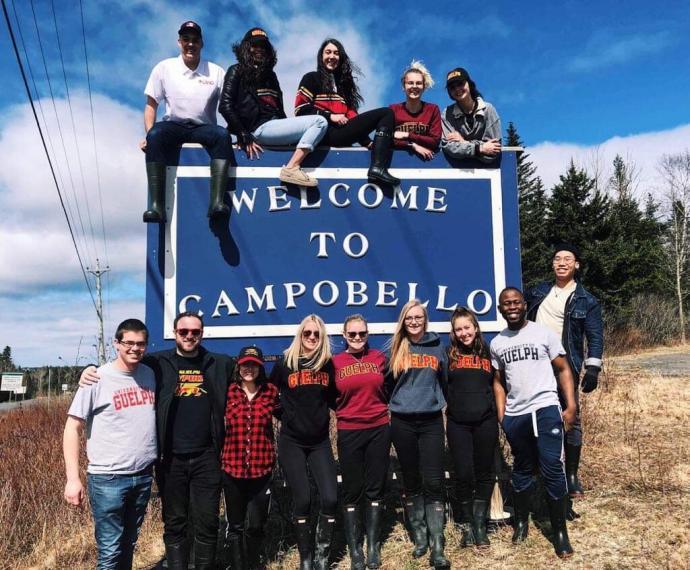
(248, 458)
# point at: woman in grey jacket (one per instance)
(416, 381)
(471, 127)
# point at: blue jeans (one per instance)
(305, 131)
(164, 139)
(118, 504)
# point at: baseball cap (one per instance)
(456, 75)
(255, 36)
(251, 354)
(188, 27)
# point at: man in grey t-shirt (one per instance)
(525, 356)
(120, 419)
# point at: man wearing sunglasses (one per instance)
(191, 388)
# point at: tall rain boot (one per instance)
(467, 517)
(373, 519)
(305, 543)
(353, 536)
(155, 175)
(256, 556)
(480, 512)
(435, 520)
(177, 556)
(236, 555)
(324, 536)
(380, 158)
(204, 555)
(217, 208)
(572, 464)
(522, 501)
(414, 510)
(557, 510)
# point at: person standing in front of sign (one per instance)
(417, 123)
(471, 127)
(120, 417)
(252, 105)
(248, 458)
(331, 91)
(364, 440)
(416, 380)
(190, 87)
(526, 355)
(472, 426)
(304, 377)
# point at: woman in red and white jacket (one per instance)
(331, 91)
(363, 439)
(417, 123)
(248, 458)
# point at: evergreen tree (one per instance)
(6, 364)
(532, 206)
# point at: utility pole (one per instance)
(99, 309)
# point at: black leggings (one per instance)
(246, 500)
(357, 129)
(472, 446)
(364, 455)
(294, 458)
(418, 441)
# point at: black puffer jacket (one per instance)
(241, 107)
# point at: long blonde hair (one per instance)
(321, 355)
(400, 343)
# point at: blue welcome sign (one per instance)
(448, 235)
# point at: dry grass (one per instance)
(636, 468)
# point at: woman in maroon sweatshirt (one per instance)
(363, 439)
(417, 123)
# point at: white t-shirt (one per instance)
(190, 96)
(120, 418)
(551, 312)
(525, 355)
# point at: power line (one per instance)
(45, 148)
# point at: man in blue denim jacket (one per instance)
(574, 314)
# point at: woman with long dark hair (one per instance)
(304, 377)
(471, 127)
(472, 426)
(248, 458)
(252, 104)
(331, 91)
(416, 381)
(363, 440)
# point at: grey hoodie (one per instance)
(421, 388)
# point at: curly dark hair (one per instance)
(344, 75)
(254, 72)
(456, 348)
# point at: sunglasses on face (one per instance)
(187, 332)
(307, 334)
(354, 335)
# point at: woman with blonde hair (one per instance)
(416, 381)
(304, 377)
(417, 123)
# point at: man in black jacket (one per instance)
(191, 389)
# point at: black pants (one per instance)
(294, 457)
(247, 502)
(472, 446)
(419, 443)
(191, 485)
(364, 456)
(358, 128)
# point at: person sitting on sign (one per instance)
(417, 123)
(471, 127)
(331, 91)
(252, 105)
(190, 87)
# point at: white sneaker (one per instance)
(296, 175)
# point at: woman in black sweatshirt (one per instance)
(305, 379)
(472, 426)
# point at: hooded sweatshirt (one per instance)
(420, 389)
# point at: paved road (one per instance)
(675, 362)
(7, 406)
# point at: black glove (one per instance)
(590, 380)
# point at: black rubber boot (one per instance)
(557, 510)
(155, 174)
(522, 502)
(435, 521)
(373, 520)
(177, 556)
(305, 543)
(204, 555)
(480, 510)
(324, 536)
(235, 553)
(414, 510)
(256, 557)
(380, 158)
(466, 518)
(353, 536)
(217, 208)
(572, 464)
